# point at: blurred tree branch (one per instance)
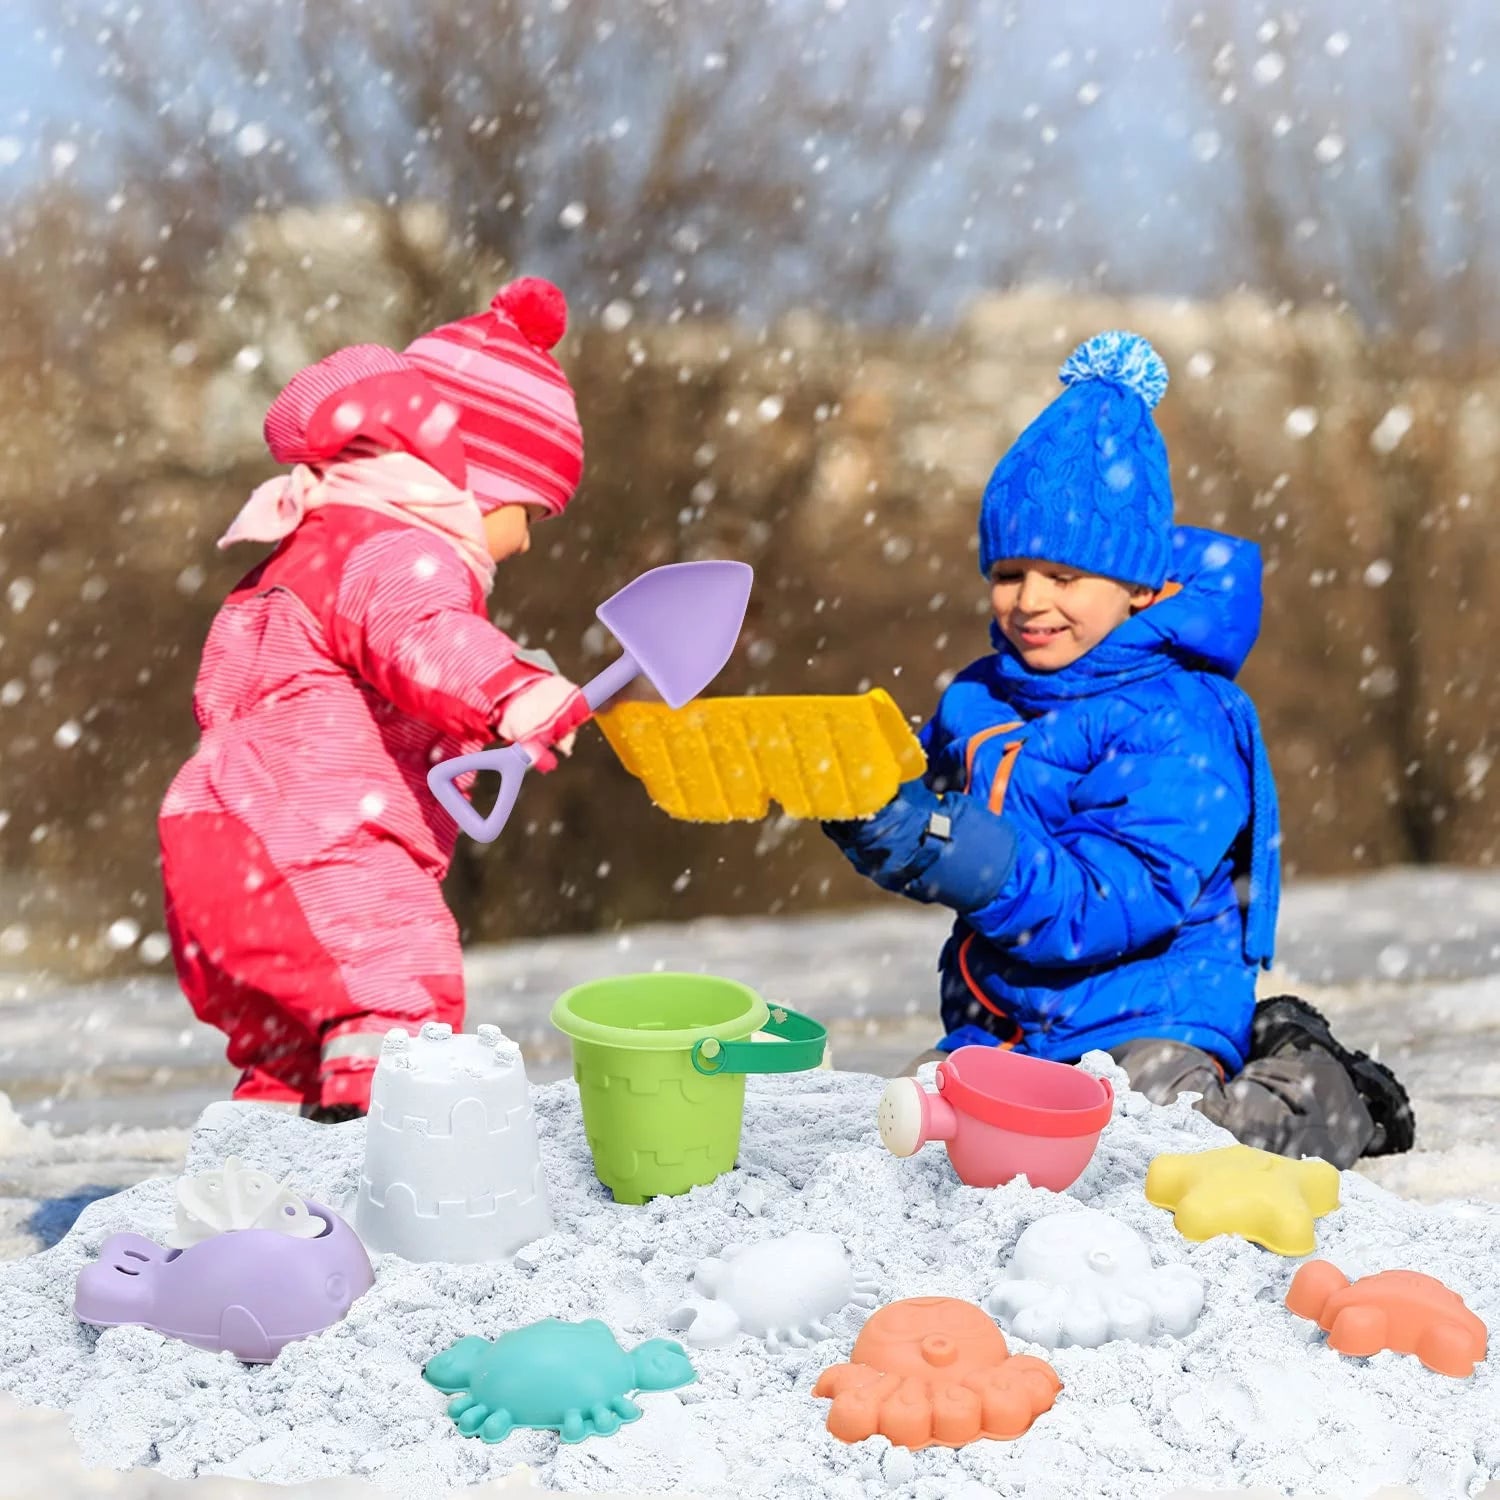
(709, 146)
(1427, 301)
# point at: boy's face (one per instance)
(1053, 614)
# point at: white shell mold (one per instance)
(237, 1196)
(1085, 1278)
(780, 1290)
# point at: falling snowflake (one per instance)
(1392, 427)
(122, 934)
(1300, 421)
(1268, 68)
(252, 139)
(1206, 144)
(1393, 961)
(616, 314)
(154, 947)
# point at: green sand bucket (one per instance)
(660, 1061)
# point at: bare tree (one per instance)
(678, 154)
(1381, 214)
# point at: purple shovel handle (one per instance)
(512, 762)
(678, 625)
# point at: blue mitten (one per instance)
(975, 851)
(889, 848)
(947, 849)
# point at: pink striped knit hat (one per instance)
(517, 417)
(364, 391)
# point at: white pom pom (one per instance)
(1121, 358)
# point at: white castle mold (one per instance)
(451, 1171)
(1085, 1278)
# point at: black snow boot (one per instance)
(1287, 1024)
(332, 1114)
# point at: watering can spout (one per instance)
(678, 625)
(909, 1116)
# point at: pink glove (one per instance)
(542, 717)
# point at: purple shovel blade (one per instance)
(680, 622)
(678, 625)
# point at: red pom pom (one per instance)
(536, 307)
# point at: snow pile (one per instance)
(1251, 1398)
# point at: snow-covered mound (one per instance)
(1252, 1397)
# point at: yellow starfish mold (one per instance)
(1263, 1197)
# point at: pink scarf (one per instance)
(393, 484)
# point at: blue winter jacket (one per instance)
(1138, 788)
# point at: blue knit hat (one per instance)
(1086, 484)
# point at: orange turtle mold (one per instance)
(935, 1370)
(1404, 1311)
(1242, 1190)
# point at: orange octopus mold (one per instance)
(1403, 1311)
(935, 1370)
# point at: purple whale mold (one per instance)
(250, 1291)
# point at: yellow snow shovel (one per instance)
(725, 760)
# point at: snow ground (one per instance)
(106, 1079)
(1250, 1395)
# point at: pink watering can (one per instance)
(1001, 1114)
(678, 625)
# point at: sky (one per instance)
(1098, 94)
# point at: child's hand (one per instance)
(889, 848)
(952, 850)
(542, 717)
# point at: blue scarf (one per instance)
(1127, 656)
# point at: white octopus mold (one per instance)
(1085, 1278)
(780, 1290)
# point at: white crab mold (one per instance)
(236, 1196)
(451, 1171)
(779, 1290)
(1085, 1278)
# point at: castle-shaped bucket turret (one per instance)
(451, 1171)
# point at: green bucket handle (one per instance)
(799, 1046)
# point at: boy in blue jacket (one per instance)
(1098, 808)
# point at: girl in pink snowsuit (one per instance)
(302, 852)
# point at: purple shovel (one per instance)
(678, 625)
